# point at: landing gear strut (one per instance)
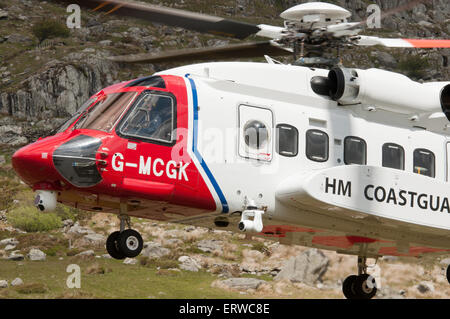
(126, 242)
(362, 286)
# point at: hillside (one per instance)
(42, 83)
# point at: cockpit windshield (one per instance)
(106, 112)
(77, 114)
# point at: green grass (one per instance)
(121, 281)
(30, 219)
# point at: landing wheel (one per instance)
(365, 287)
(111, 246)
(448, 274)
(347, 287)
(130, 243)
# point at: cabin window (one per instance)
(355, 151)
(287, 142)
(256, 134)
(317, 145)
(152, 117)
(424, 162)
(393, 156)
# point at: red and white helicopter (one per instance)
(350, 160)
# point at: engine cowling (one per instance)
(388, 90)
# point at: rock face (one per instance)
(36, 255)
(243, 283)
(308, 267)
(59, 90)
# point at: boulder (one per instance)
(3, 284)
(189, 264)
(243, 283)
(16, 256)
(9, 241)
(36, 255)
(308, 267)
(154, 250)
(208, 245)
(17, 282)
(94, 239)
(77, 229)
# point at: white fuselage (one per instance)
(293, 189)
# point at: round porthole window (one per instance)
(256, 134)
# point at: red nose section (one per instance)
(33, 163)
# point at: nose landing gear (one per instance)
(126, 242)
(361, 286)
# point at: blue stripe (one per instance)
(205, 167)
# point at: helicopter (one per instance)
(343, 159)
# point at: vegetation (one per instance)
(47, 29)
(29, 219)
(414, 66)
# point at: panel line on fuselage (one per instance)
(225, 208)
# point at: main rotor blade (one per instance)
(172, 17)
(233, 51)
(403, 43)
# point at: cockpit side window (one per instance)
(152, 118)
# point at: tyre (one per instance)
(130, 243)
(365, 287)
(111, 246)
(448, 274)
(347, 287)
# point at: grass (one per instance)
(139, 282)
(30, 219)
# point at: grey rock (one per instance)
(77, 229)
(3, 284)
(445, 261)
(243, 283)
(36, 255)
(105, 43)
(3, 14)
(10, 247)
(9, 241)
(94, 239)
(154, 250)
(68, 223)
(18, 38)
(208, 245)
(17, 282)
(86, 253)
(189, 264)
(16, 257)
(189, 228)
(425, 286)
(130, 261)
(308, 267)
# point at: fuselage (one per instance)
(326, 175)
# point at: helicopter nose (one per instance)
(33, 164)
